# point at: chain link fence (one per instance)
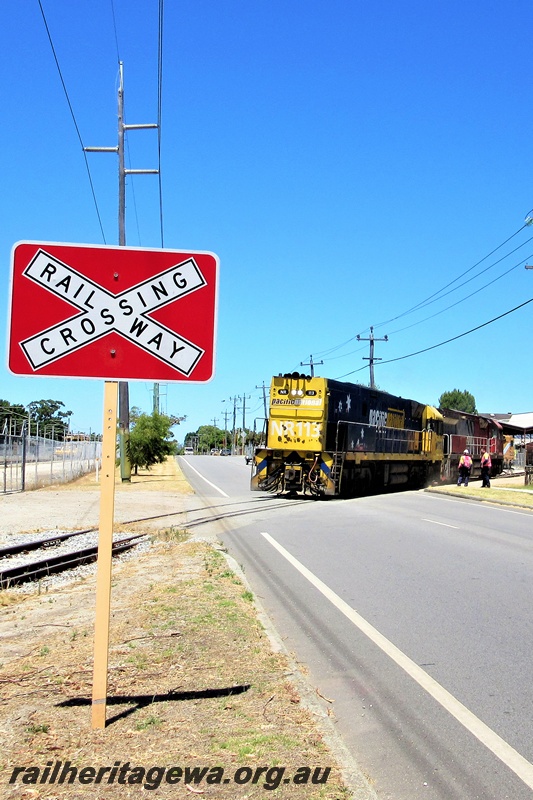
(31, 462)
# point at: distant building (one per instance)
(518, 430)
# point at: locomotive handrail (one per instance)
(381, 439)
(475, 444)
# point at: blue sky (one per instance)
(345, 161)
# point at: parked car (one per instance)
(225, 452)
(215, 452)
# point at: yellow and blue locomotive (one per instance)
(329, 438)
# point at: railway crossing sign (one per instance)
(116, 313)
(120, 314)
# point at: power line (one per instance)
(337, 346)
(73, 119)
(159, 111)
(429, 300)
(439, 291)
(452, 305)
(345, 355)
(473, 278)
(115, 30)
(467, 297)
(447, 341)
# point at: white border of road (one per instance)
(205, 479)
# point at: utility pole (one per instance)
(244, 398)
(311, 364)
(225, 429)
(123, 388)
(372, 358)
(234, 401)
(155, 407)
(263, 387)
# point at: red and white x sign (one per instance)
(117, 313)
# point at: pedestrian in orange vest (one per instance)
(465, 465)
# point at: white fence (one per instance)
(31, 462)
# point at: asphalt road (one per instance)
(412, 612)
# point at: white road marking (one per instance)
(501, 749)
(508, 511)
(492, 507)
(444, 524)
(205, 479)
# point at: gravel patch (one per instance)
(69, 546)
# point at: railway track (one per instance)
(35, 544)
(52, 564)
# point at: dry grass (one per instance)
(193, 681)
(515, 496)
(158, 478)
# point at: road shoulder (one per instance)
(197, 675)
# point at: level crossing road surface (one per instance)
(411, 611)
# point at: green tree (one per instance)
(151, 440)
(459, 400)
(50, 416)
(209, 437)
(47, 414)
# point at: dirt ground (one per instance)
(194, 682)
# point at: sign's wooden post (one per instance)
(105, 543)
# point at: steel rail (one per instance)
(38, 569)
(34, 544)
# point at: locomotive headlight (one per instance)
(300, 393)
(294, 392)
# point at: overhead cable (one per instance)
(73, 119)
(115, 30)
(447, 341)
(429, 300)
(466, 297)
(465, 272)
(159, 112)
